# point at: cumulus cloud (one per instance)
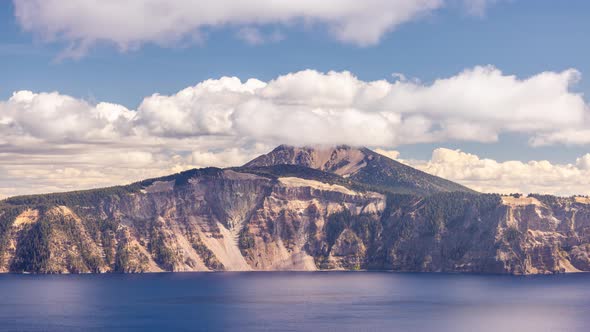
(393, 154)
(230, 156)
(129, 24)
(488, 175)
(57, 167)
(200, 110)
(41, 173)
(226, 121)
(309, 107)
(56, 117)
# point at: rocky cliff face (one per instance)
(289, 218)
(218, 220)
(360, 165)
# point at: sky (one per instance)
(489, 93)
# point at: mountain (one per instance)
(273, 216)
(360, 165)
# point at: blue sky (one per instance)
(518, 37)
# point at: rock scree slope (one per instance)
(326, 208)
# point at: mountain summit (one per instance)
(360, 165)
(337, 208)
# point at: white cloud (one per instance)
(200, 110)
(393, 154)
(47, 138)
(56, 117)
(52, 168)
(578, 135)
(488, 175)
(254, 36)
(251, 36)
(231, 156)
(309, 107)
(129, 24)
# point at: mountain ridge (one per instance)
(285, 216)
(361, 165)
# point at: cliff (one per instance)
(360, 165)
(303, 216)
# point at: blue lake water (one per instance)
(292, 301)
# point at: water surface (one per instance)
(292, 301)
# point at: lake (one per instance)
(294, 301)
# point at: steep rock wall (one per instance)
(238, 221)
